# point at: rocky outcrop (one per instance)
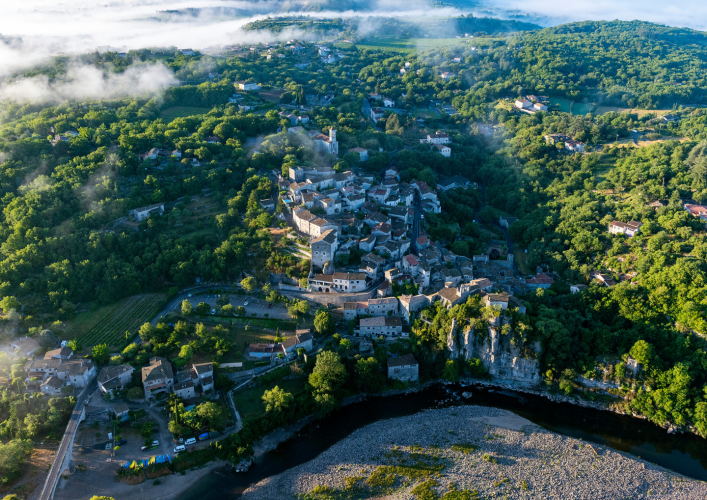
(452, 343)
(501, 358)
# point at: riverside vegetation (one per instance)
(65, 244)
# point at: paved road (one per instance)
(415, 230)
(179, 298)
(66, 442)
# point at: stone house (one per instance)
(204, 375)
(350, 282)
(630, 228)
(301, 339)
(157, 377)
(412, 304)
(497, 300)
(405, 368)
(61, 353)
(368, 243)
(77, 373)
(113, 378)
(324, 248)
(185, 389)
(383, 307)
(389, 327)
(52, 386)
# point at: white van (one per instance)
(190, 441)
(179, 448)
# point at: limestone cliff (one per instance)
(501, 358)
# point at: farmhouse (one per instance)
(247, 86)
(143, 213)
(630, 228)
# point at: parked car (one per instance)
(121, 442)
(245, 303)
(179, 448)
(269, 306)
(190, 441)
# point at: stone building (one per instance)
(324, 248)
(404, 368)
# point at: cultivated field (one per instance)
(170, 114)
(110, 325)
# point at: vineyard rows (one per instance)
(127, 316)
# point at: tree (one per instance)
(451, 371)
(136, 393)
(212, 414)
(323, 322)
(147, 332)
(223, 382)
(276, 400)
(75, 345)
(203, 309)
(248, 284)
(201, 330)
(345, 345)
(368, 376)
(9, 303)
(181, 328)
(47, 339)
(186, 352)
(303, 306)
(642, 352)
(186, 307)
(329, 373)
(222, 300)
(13, 456)
(100, 354)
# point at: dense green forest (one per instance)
(63, 245)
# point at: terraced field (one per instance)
(127, 315)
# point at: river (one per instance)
(683, 453)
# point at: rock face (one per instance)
(501, 358)
(452, 343)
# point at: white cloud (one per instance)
(89, 82)
(48, 27)
(687, 13)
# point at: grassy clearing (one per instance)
(407, 45)
(173, 112)
(521, 259)
(249, 402)
(111, 323)
(567, 106)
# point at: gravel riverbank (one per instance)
(486, 450)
